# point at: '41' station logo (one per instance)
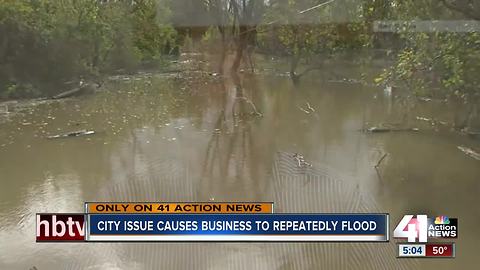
(421, 227)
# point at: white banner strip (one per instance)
(426, 26)
(239, 238)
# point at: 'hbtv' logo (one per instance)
(60, 227)
(423, 228)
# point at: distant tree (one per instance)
(45, 43)
(438, 63)
(247, 15)
(301, 29)
(220, 12)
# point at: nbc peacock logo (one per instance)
(442, 220)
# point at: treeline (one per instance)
(46, 43)
(431, 63)
(51, 41)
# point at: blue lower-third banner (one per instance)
(238, 227)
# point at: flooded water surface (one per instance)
(200, 136)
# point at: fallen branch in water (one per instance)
(380, 160)
(469, 152)
(81, 89)
(384, 129)
(255, 111)
(346, 80)
(309, 109)
(301, 161)
(472, 134)
(309, 70)
(303, 110)
(73, 134)
(378, 165)
(432, 122)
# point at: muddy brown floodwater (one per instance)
(201, 137)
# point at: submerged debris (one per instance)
(433, 122)
(303, 110)
(254, 108)
(425, 99)
(377, 166)
(301, 163)
(377, 129)
(346, 80)
(423, 119)
(380, 160)
(310, 107)
(308, 110)
(472, 134)
(81, 89)
(385, 129)
(73, 134)
(469, 152)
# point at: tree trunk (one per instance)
(241, 45)
(223, 53)
(238, 59)
(295, 59)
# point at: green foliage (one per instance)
(303, 34)
(445, 61)
(45, 43)
(18, 91)
(152, 35)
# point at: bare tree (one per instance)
(219, 9)
(247, 14)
